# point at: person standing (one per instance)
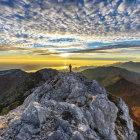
(70, 67)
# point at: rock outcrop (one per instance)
(69, 107)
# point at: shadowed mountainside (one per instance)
(120, 82)
(105, 74)
(16, 85)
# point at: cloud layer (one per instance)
(67, 25)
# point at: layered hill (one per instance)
(16, 84)
(105, 74)
(69, 107)
(119, 82)
(131, 66)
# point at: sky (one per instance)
(36, 34)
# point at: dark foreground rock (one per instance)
(69, 107)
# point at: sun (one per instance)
(64, 55)
(64, 67)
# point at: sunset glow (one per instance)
(81, 32)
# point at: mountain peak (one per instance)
(69, 107)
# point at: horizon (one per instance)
(54, 64)
(64, 68)
(56, 33)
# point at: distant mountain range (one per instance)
(122, 83)
(131, 66)
(16, 85)
(105, 75)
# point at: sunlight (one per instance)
(64, 67)
(64, 55)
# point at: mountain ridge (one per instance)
(69, 107)
(105, 71)
(124, 84)
(130, 65)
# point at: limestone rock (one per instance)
(69, 107)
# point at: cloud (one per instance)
(35, 51)
(10, 48)
(104, 49)
(105, 58)
(61, 23)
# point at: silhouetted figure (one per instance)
(70, 67)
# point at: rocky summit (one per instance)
(69, 107)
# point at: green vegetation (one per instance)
(12, 106)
